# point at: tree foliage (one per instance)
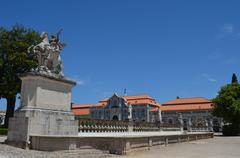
(228, 103)
(234, 78)
(14, 60)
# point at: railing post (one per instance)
(130, 126)
(166, 141)
(179, 139)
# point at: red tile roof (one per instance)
(136, 99)
(84, 109)
(81, 109)
(187, 101)
(196, 103)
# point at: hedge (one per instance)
(3, 131)
(231, 130)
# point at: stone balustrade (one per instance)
(91, 125)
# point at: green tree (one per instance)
(227, 106)
(14, 60)
(234, 78)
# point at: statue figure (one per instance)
(180, 120)
(160, 115)
(41, 52)
(48, 54)
(130, 112)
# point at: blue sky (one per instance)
(165, 48)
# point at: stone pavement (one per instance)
(7, 151)
(218, 147)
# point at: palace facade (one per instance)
(135, 108)
(195, 111)
(143, 108)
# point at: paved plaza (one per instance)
(218, 147)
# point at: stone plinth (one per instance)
(45, 109)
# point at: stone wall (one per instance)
(115, 145)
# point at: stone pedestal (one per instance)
(45, 109)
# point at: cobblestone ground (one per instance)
(7, 151)
(218, 147)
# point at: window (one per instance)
(142, 112)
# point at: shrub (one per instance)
(3, 131)
(231, 130)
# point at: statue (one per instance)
(180, 120)
(130, 112)
(160, 115)
(48, 54)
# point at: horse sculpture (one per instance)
(48, 54)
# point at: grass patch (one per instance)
(3, 131)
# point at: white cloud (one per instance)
(210, 79)
(80, 81)
(228, 31)
(224, 58)
(215, 56)
(227, 28)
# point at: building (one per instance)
(137, 108)
(81, 110)
(194, 111)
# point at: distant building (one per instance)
(82, 110)
(137, 108)
(194, 111)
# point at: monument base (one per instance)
(45, 110)
(27, 122)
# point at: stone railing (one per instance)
(90, 125)
(198, 129)
(148, 126)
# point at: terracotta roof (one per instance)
(81, 105)
(137, 99)
(84, 109)
(181, 104)
(81, 109)
(187, 107)
(194, 100)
